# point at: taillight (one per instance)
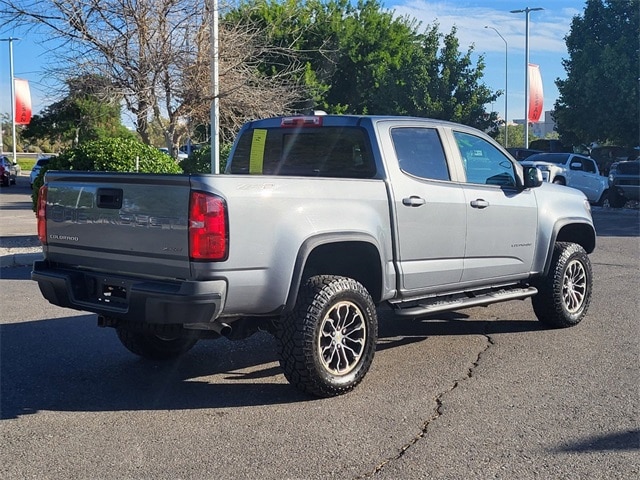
(41, 212)
(208, 232)
(302, 121)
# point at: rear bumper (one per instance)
(131, 298)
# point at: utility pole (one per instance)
(526, 11)
(215, 106)
(506, 85)
(13, 96)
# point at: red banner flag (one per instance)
(23, 101)
(536, 97)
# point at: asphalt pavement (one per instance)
(19, 243)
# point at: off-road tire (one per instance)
(616, 200)
(163, 343)
(327, 343)
(565, 293)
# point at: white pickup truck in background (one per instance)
(572, 170)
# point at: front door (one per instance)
(501, 218)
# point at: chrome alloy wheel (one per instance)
(574, 286)
(341, 339)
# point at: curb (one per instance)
(19, 259)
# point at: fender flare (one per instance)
(310, 244)
(588, 244)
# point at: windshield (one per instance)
(548, 157)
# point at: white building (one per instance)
(541, 129)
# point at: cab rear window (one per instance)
(341, 152)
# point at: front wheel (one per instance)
(616, 200)
(169, 341)
(565, 293)
(327, 343)
(603, 200)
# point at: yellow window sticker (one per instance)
(256, 159)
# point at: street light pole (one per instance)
(215, 106)
(506, 85)
(526, 11)
(13, 95)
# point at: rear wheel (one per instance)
(163, 343)
(327, 343)
(559, 181)
(565, 293)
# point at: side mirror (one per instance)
(532, 177)
(576, 166)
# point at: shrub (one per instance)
(200, 160)
(109, 155)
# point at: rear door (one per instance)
(585, 178)
(430, 211)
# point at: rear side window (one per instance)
(420, 153)
(589, 166)
(310, 152)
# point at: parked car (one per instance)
(572, 170)
(9, 171)
(607, 155)
(180, 154)
(624, 183)
(35, 171)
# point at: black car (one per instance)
(624, 183)
(9, 171)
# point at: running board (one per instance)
(444, 304)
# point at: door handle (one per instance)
(413, 201)
(479, 203)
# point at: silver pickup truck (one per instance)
(317, 223)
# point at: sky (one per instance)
(547, 29)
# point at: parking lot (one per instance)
(479, 393)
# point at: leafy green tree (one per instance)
(200, 160)
(363, 59)
(446, 85)
(599, 99)
(90, 111)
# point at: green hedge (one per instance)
(200, 160)
(109, 155)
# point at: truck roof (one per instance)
(338, 120)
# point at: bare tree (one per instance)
(157, 55)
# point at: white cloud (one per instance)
(547, 28)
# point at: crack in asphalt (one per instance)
(437, 413)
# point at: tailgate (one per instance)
(129, 223)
